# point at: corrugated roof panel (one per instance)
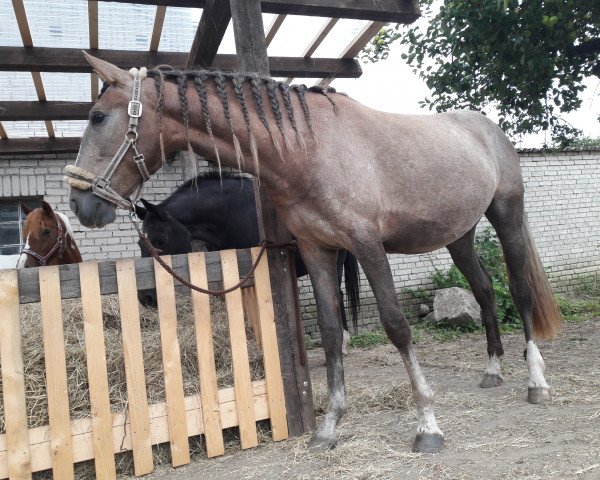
(71, 128)
(25, 129)
(9, 30)
(301, 29)
(124, 26)
(179, 29)
(340, 37)
(74, 87)
(58, 23)
(16, 86)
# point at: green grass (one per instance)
(585, 303)
(369, 339)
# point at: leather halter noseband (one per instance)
(82, 179)
(59, 246)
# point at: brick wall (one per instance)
(561, 201)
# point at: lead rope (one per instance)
(264, 244)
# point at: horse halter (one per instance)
(82, 179)
(59, 246)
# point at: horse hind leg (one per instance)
(374, 262)
(529, 287)
(466, 260)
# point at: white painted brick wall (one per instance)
(561, 201)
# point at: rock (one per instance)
(429, 319)
(456, 307)
(424, 310)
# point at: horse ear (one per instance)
(26, 209)
(150, 207)
(47, 209)
(140, 212)
(107, 71)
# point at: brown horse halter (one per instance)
(58, 248)
(84, 180)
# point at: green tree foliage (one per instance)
(528, 58)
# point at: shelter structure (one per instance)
(251, 40)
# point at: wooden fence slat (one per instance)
(165, 295)
(251, 311)
(13, 378)
(82, 428)
(97, 375)
(61, 446)
(209, 397)
(134, 368)
(266, 315)
(239, 351)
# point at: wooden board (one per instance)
(13, 379)
(134, 368)
(56, 374)
(29, 290)
(251, 312)
(82, 428)
(97, 375)
(206, 359)
(239, 351)
(167, 313)
(266, 315)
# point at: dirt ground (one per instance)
(489, 433)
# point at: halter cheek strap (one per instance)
(100, 186)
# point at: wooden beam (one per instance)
(209, 34)
(274, 28)
(159, 21)
(37, 145)
(19, 111)
(22, 22)
(252, 49)
(3, 134)
(93, 23)
(71, 60)
(399, 11)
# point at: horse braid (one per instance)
(301, 92)
(238, 88)
(257, 95)
(272, 92)
(220, 82)
(199, 81)
(287, 101)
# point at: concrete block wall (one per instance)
(561, 201)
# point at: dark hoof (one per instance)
(428, 443)
(490, 380)
(321, 444)
(538, 394)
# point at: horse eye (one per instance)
(98, 118)
(46, 232)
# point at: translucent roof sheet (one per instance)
(124, 26)
(58, 23)
(179, 29)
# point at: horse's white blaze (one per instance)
(535, 365)
(422, 395)
(65, 220)
(494, 366)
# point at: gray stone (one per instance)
(456, 307)
(430, 318)
(424, 310)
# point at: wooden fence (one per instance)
(62, 443)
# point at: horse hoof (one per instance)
(428, 443)
(490, 380)
(318, 443)
(538, 394)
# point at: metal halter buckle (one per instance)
(100, 183)
(134, 109)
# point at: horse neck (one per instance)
(71, 253)
(275, 148)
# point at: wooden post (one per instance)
(252, 54)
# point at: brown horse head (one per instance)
(49, 239)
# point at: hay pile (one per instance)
(33, 356)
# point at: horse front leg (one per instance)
(373, 260)
(321, 265)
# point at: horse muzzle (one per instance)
(91, 210)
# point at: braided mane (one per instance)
(279, 99)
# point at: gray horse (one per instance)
(340, 175)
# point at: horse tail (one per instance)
(546, 317)
(352, 283)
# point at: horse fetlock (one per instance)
(536, 367)
(492, 376)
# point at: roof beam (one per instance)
(20, 59)
(274, 28)
(402, 11)
(36, 111)
(159, 21)
(39, 145)
(93, 38)
(209, 35)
